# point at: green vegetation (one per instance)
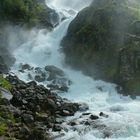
(104, 41)
(133, 86)
(5, 115)
(21, 11)
(3, 128)
(5, 84)
(5, 118)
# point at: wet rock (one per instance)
(100, 88)
(120, 89)
(32, 83)
(5, 93)
(38, 134)
(50, 125)
(83, 107)
(38, 70)
(54, 71)
(87, 123)
(16, 100)
(60, 87)
(24, 130)
(26, 67)
(72, 12)
(30, 77)
(57, 127)
(42, 117)
(103, 115)
(58, 81)
(27, 118)
(4, 101)
(94, 117)
(72, 123)
(68, 109)
(37, 109)
(106, 134)
(66, 113)
(52, 104)
(17, 113)
(86, 114)
(40, 78)
(59, 120)
(60, 84)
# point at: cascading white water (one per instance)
(65, 4)
(123, 122)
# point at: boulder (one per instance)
(51, 103)
(94, 117)
(83, 107)
(27, 118)
(103, 115)
(40, 78)
(38, 134)
(58, 79)
(57, 128)
(61, 84)
(54, 72)
(26, 67)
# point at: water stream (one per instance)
(43, 49)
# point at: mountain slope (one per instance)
(104, 41)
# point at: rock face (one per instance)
(104, 41)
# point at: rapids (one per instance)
(43, 49)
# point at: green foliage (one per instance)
(110, 72)
(133, 86)
(5, 84)
(103, 35)
(134, 12)
(3, 128)
(6, 117)
(26, 11)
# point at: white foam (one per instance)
(124, 113)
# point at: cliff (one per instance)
(104, 41)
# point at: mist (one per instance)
(104, 111)
(73, 4)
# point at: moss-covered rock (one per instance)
(29, 12)
(5, 115)
(7, 120)
(103, 40)
(4, 83)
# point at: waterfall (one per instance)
(73, 4)
(43, 49)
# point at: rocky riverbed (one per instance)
(33, 111)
